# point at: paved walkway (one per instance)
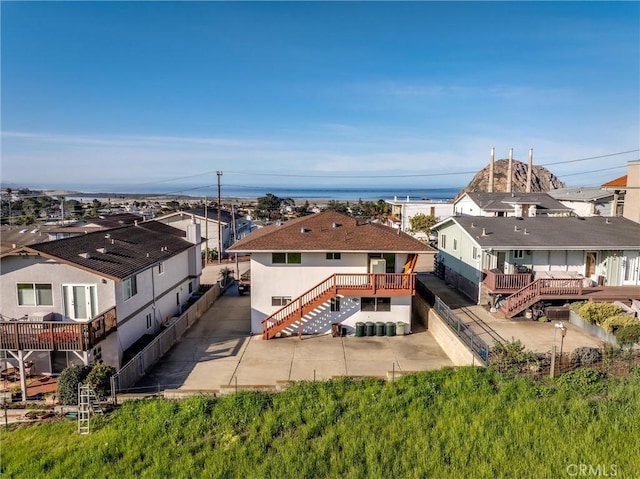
(536, 336)
(218, 352)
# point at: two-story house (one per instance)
(521, 256)
(403, 210)
(312, 272)
(480, 203)
(91, 297)
(586, 200)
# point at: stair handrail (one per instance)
(539, 288)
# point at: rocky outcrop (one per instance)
(541, 179)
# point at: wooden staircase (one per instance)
(541, 289)
(365, 284)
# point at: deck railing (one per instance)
(57, 335)
(496, 281)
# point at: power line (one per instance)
(590, 158)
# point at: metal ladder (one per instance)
(87, 403)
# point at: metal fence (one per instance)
(140, 364)
(477, 345)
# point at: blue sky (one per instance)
(135, 93)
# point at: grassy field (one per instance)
(464, 423)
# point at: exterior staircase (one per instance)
(365, 284)
(538, 290)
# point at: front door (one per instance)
(79, 301)
(590, 262)
(631, 268)
(502, 259)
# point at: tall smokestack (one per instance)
(493, 157)
(529, 170)
(510, 171)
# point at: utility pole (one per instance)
(219, 173)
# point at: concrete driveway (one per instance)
(218, 353)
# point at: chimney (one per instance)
(193, 233)
(491, 161)
(510, 170)
(529, 168)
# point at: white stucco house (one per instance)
(402, 210)
(480, 203)
(312, 272)
(586, 200)
(518, 257)
(91, 297)
(208, 221)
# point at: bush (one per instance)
(612, 323)
(575, 307)
(100, 379)
(596, 312)
(586, 356)
(68, 383)
(511, 357)
(628, 335)
(583, 380)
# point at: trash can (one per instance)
(359, 330)
(379, 328)
(336, 329)
(370, 328)
(391, 328)
(400, 328)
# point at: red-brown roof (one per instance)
(329, 231)
(618, 182)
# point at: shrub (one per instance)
(586, 356)
(511, 357)
(612, 323)
(100, 379)
(596, 312)
(543, 319)
(583, 380)
(628, 335)
(68, 383)
(575, 307)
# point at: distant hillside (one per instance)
(541, 179)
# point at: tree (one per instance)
(100, 379)
(338, 206)
(68, 383)
(268, 206)
(422, 223)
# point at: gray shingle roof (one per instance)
(587, 193)
(329, 231)
(500, 201)
(120, 252)
(543, 232)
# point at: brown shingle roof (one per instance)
(329, 231)
(119, 252)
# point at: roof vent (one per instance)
(107, 236)
(473, 225)
(336, 225)
(278, 223)
(515, 228)
(484, 232)
(608, 221)
(525, 231)
(101, 250)
(23, 231)
(113, 241)
(304, 230)
(147, 255)
(85, 255)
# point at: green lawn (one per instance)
(463, 423)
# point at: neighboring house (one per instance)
(402, 211)
(509, 204)
(91, 297)
(209, 227)
(586, 200)
(486, 256)
(626, 190)
(328, 268)
(11, 237)
(89, 225)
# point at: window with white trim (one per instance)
(334, 255)
(474, 253)
(129, 287)
(455, 244)
(149, 321)
(518, 254)
(161, 267)
(375, 304)
(443, 241)
(35, 294)
(280, 300)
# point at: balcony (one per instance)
(497, 282)
(57, 335)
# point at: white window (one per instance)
(474, 254)
(443, 241)
(129, 287)
(455, 244)
(375, 304)
(280, 300)
(35, 294)
(334, 255)
(149, 321)
(518, 254)
(161, 267)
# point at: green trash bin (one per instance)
(359, 329)
(379, 328)
(370, 328)
(391, 328)
(400, 328)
